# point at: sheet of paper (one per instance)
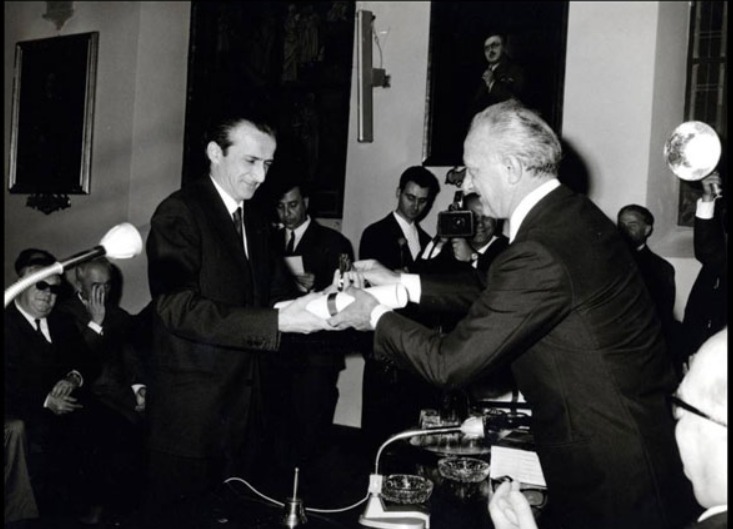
(521, 465)
(295, 264)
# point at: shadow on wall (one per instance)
(573, 170)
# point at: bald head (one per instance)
(703, 442)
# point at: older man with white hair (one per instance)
(701, 409)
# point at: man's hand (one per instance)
(709, 185)
(461, 249)
(306, 281)
(509, 509)
(358, 314)
(295, 318)
(61, 405)
(63, 388)
(376, 273)
(95, 304)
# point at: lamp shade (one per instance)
(693, 150)
(122, 242)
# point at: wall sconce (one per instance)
(59, 13)
(367, 76)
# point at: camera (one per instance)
(456, 221)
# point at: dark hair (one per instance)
(645, 214)
(33, 257)
(287, 185)
(220, 127)
(422, 177)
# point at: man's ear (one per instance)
(648, 231)
(213, 152)
(397, 193)
(513, 169)
(306, 200)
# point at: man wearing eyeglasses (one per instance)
(45, 364)
(701, 409)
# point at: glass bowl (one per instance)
(463, 469)
(406, 489)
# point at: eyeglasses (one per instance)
(679, 403)
(43, 286)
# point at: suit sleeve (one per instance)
(709, 242)
(175, 259)
(529, 294)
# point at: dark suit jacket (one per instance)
(446, 262)
(33, 366)
(509, 82)
(565, 305)
(658, 275)
(320, 248)
(212, 314)
(706, 311)
(380, 241)
(118, 363)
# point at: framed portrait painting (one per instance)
(52, 115)
(482, 53)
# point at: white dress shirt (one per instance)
(409, 230)
(232, 206)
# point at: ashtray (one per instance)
(407, 489)
(464, 469)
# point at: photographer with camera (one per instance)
(475, 239)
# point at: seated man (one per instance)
(701, 409)
(45, 363)
(117, 391)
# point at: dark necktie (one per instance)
(290, 250)
(237, 218)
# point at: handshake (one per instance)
(348, 291)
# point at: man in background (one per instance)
(46, 364)
(397, 241)
(636, 224)
(706, 311)
(119, 389)
(300, 380)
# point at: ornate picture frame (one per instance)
(52, 118)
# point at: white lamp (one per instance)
(121, 242)
(692, 152)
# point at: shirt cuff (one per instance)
(95, 327)
(705, 210)
(378, 312)
(412, 283)
(45, 402)
(135, 387)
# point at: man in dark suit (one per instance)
(566, 306)
(706, 311)
(636, 224)
(300, 384)
(46, 365)
(214, 278)
(119, 389)
(397, 242)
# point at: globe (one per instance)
(692, 151)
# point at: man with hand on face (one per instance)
(214, 277)
(566, 307)
(503, 78)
